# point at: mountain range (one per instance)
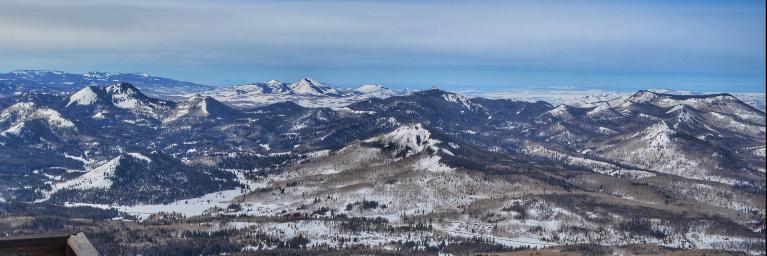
(20, 81)
(683, 171)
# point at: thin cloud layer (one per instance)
(503, 43)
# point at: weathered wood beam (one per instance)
(80, 245)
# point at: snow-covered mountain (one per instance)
(32, 122)
(119, 96)
(592, 98)
(271, 87)
(377, 90)
(308, 86)
(306, 92)
(201, 107)
(305, 87)
(679, 171)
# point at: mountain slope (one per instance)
(141, 178)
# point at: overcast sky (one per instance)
(692, 45)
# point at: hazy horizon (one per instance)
(483, 45)
(406, 86)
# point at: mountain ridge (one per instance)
(47, 81)
(543, 173)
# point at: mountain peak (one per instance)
(561, 110)
(122, 95)
(198, 99)
(198, 106)
(119, 95)
(309, 82)
(85, 96)
(308, 86)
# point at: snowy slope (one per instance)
(14, 118)
(85, 96)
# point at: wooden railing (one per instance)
(64, 245)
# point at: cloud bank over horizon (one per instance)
(708, 45)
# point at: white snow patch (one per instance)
(85, 96)
(432, 164)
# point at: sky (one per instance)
(458, 45)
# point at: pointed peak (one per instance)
(309, 81)
(85, 96)
(561, 110)
(198, 106)
(202, 100)
(308, 86)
